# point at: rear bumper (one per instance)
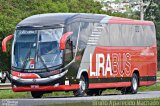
(45, 88)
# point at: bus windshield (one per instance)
(37, 49)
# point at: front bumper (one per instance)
(38, 81)
(51, 83)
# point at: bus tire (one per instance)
(134, 86)
(36, 94)
(82, 87)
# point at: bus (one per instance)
(83, 53)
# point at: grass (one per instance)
(4, 94)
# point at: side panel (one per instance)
(117, 64)
(119, 51)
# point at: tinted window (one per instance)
(127, 35)
(74, 27)
(68, 52)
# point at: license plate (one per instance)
(34, 86)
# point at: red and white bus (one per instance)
(83, 53)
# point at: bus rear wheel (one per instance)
(82, 87)
(36, 94)
(134, 86)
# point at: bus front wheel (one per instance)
(82, 87)
(36, 94)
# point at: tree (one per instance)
(153, 13)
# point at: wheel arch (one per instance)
(81, 72)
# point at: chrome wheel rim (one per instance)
(82, 85)
(134, 81)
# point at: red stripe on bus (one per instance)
(109, 85)
(45, 88)
(145, 83)
(25, 75)
(118, 20)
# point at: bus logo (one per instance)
(112, 63)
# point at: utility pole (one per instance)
(141, 9)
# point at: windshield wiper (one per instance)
(42, 60)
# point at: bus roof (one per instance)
(58, 19)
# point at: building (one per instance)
(121, 6)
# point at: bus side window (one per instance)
(68, 52)
(74, 27)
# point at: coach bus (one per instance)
(83, 53)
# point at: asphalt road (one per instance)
(62, 100)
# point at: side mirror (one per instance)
(64, 39)
(4, 42)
